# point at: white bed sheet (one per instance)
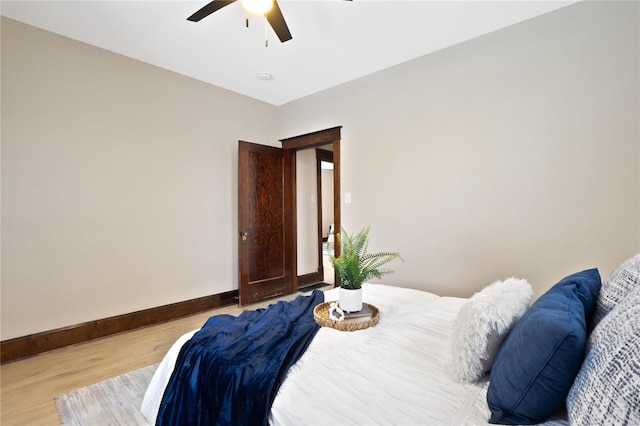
(388, 374)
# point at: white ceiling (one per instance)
(334, 41)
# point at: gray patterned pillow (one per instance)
(605, 390)
(619, 284)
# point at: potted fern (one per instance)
(355, 266)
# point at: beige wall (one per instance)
(516, 153)
(119, 182)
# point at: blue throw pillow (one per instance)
(539, 359)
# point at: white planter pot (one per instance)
(350, 300)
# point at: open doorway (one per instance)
(268, 216)
(315, 216)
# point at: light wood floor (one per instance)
(28, 387)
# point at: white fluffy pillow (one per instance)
(482, 324)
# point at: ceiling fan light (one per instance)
(257, 7)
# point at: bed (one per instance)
(396, 372)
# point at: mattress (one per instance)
(388, 374)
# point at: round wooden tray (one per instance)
(321, 315)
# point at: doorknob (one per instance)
(244, 236)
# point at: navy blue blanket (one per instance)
(230, 370)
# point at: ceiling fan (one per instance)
(268, 8)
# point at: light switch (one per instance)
(347, 198)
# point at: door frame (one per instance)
(291, 146)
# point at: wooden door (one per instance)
(264, 222)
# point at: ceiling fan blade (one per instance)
(209, 9)
(277, 22)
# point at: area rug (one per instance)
(115, 401)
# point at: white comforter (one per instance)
(388, 374)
